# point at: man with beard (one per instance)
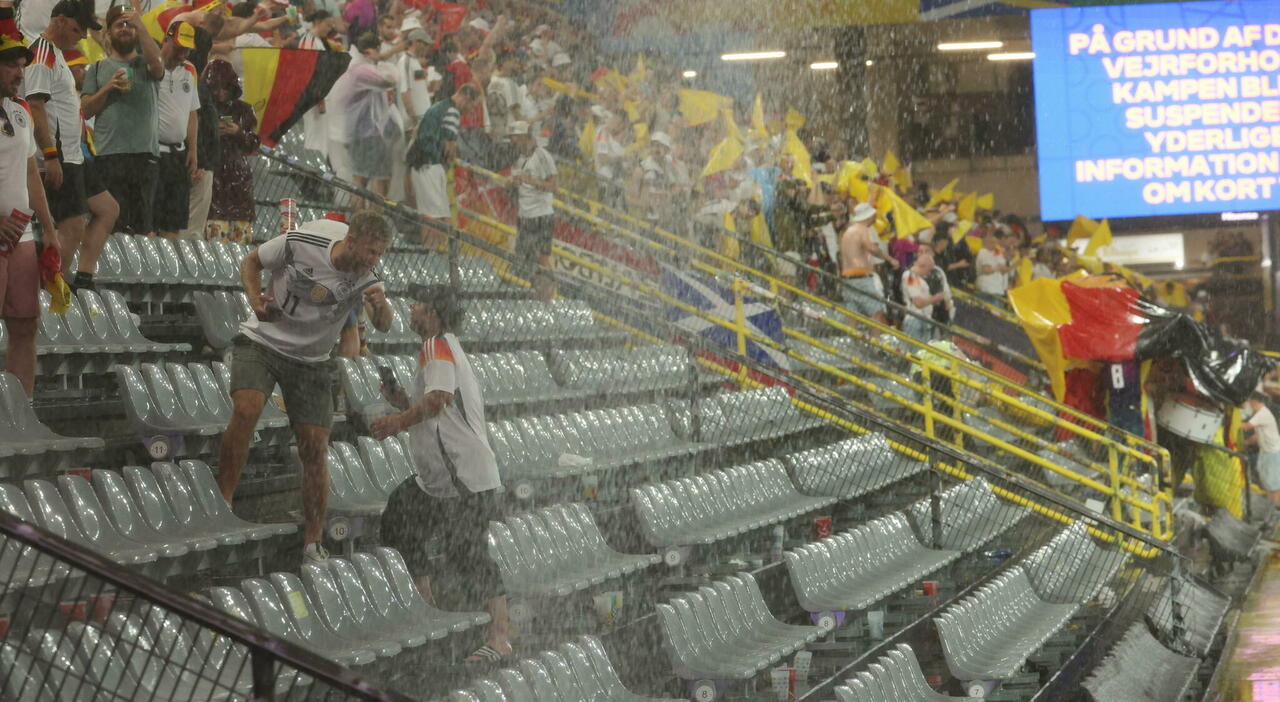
(120, 93)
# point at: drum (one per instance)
(1181, 417)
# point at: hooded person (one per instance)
(232, 209)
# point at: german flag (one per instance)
(282, 84)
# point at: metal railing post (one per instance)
(263, 668)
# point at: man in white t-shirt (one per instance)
(918, 298)
(535, 174)
(1266, 436)
(455, 492)
(72, 184)
(21, 198)
(319, 274)
(177, 103)
(993, 269)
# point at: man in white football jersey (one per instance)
(319, 273)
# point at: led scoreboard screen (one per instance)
(1158, 109)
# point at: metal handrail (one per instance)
(265, 649)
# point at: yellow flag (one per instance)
(794, 120)
(946, 194)
(639, 73)
(882, 203)
(642, 138)
(702, 106)
(903, 178)
(1101, 237)
(975, 244)
(731, 130)
(803, 166)
(1081, 227)
(632, 110)
(869, 168)
(967, 208)
(1040, 239)
(987, 201)
(959, 231)
(587, 140)
(760, 231)
(728, 151)
(758, 128)
(858, 189)
(890, 164)
(846, 173)
(92, 51)
(151, 20)
(613, 79)
(906, 220)
(1025, 266)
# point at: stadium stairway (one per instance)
(680, 522)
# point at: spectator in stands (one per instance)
(232, 208)
(71, 182)
(372, 127)
(864, 292)
(535, 173)
(433, 149)
(1261, 425)
(421, 77)
(318, 275)
(21, 196)
(953, 258)
(456, 491)
(993, 268)
(120, 95)
(178, 102)
(919, 295)
(503, 100)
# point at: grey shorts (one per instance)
(307, 388)
(870, 304)
(370, 157)
(1269, 471)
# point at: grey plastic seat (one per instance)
(718, 505)
(854, 569)
(990, 634)
(895, 676)
(359, 604)
(22, 565)
(725, 631)
(52, 513)
(1187, 615)
(407, 600)
(970, 515)
(851, 467)
(159, 515)
(282, 608)
(351, 491)
(1141, 669)
(1072, 567)
(126, 516)
(22, 433)
(216, 319)
(98, 524)
(596, 676)
(217, 513)
(331, 609)
(125, 325)
(385, 475)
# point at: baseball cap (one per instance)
(418, 35)
(113, 14)
(518, 128)
(184, 34)
(560, 59)
(481, 24)
(410, 23)
(661, 138)
(79, 10)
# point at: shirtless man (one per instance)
(858, 245)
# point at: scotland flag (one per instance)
(716, 300)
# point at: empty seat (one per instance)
(720, 504)
(220, 313)
(1141, 669)
(52, 513)
(396, 599)
(751, 415)
(989, 634)
(969, 515)
(895, 676)
(851, 467)
(217, 513)
(557, 551)
(1187, 615)
(726, 632)
(23, 434)
(855, 569)
(351, 489)
(22, 565)
(1072, 567)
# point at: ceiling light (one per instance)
(824, 65)
(870, 62)
(690, 74)
(1240, 216)
(753, 56)
(1012, 56)
(969, 45)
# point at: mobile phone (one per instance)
(225, 118)
(388, 377)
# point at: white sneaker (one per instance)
(314, 554)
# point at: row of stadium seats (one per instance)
(170, 516)
(990, 634)
(27, 445)
(853, 467)
(156, 269)
(578, 671)
(895, 677)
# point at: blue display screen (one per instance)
(1158, 109)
